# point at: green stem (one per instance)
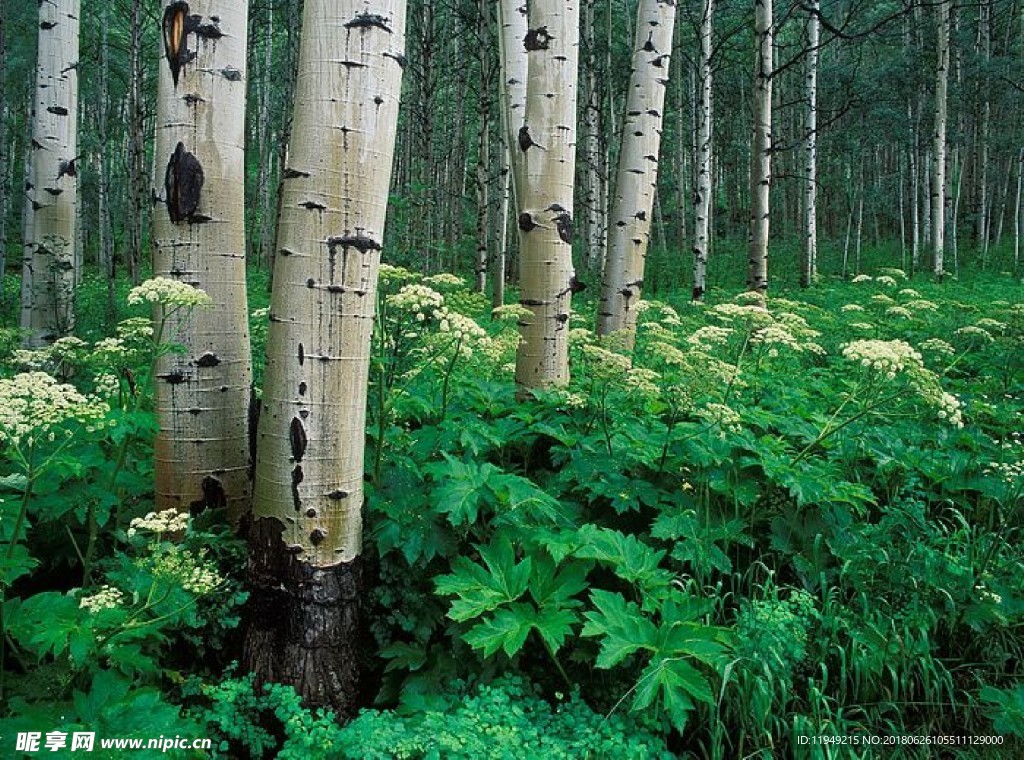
(447, 379)
(558, 665)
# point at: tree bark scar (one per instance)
(537, 39)
(297, 439)
(359, 241)
(303, 622)
(563, 223)
(369, 21)
(213, 496)
(183, 185)
(177, 25)
(297, 477)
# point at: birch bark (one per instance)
(702, 194)
(761, 161)
(938, 188)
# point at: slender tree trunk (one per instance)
(483, 145)
(938, 189)
(104, 230)
(761, 159)
(136, 145)
(6, 156)
(703, 190)
(809, 267)
(305, 537)
(547, 146)
(592, 171)
(629, 230)
(202, 394)
(1018, 213)
(47, 306)
(984, 202)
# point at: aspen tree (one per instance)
(761, 160)
(202, 394)
(809, 262)
(547, 144)
(48, 276)
(938, 188)
(305, 535)
(629, 228)
(594, 203)
(702, 191)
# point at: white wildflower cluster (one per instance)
(570, 400)
(986, 595)
(258, 315)
(847, 308)
(725, 417)
(881, 299)
(444, 281)
(657, 312)
(893, 272)
(141, 328)
(1011, 469)
(668, 354)
(167, 292)
(390, 274)
(921, 304)
(69, 348)
(111, 352)
(937, 346)
(605, 364)
(33, 403)
(510, 312)
(947, 405)
(709, 336)
(862, 326)
(193, 572)
(417, 299)
(862, 278)
(775, 337)
(458, 325)
(751, 297)
(974, 334)
(581, 336)
(899, 311)
(167, 521)
(655, 330)
(729, 312)
(106, 385)
(107, 598)
(28, 359)
(643, 381)
(887, 357)
(885, 280)
(990, 325)
(909, 293)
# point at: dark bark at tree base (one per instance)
(303, 623)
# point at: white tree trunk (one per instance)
(306, 531)
(761, 160)
(629, 228)
(48, 276)
(938, 188)
(1018, 212)
(593, 204)
(202, 395)
(702, 194)
(809, 268)
(546, 144)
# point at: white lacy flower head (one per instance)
(167, 521)
(882, 299)
(30, 358)
(168, 292)
(33, 403)
(974, 334)
(642, 381)
(774, 337)
(112, 351)
(605, 364)
(851, 307)
(862, 278)
(862, 326)
(510, 312)
(444, 281)
(415, 299)
(885, 280)
(725, 417)
(107, 598)
(921, 304)
(141, 328)
(641, 306)
(258, 315)
(668, 353)
(106, 385)
(69, 348)
(990, 325)
(893, 272)
(581, 336)
(751, 297)
(193, 572)
(937, 346)
(887, 357)
(729, 312)
(391, 274)
(909, 293)
(458, 325)
(710, 335)
(899, 311)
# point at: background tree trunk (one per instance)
(704, 155)
(202, 394)
(761, 159)
(547, 146)
(938, 188)
(306, 531)
(636, 182)
(48, 276)
(809, 263)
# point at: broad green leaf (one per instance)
(554, 625)
(507, 629)
(481, 589)
(550, 586)
(661, 680)
(622, 625)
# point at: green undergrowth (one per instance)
(766, 526)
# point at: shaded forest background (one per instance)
(875, 89)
